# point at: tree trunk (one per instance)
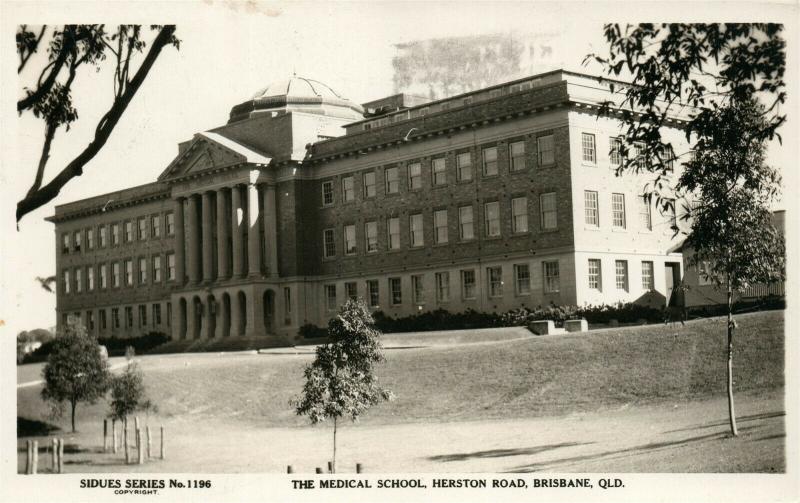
(731, 413)
(333, 470)
(74, 404)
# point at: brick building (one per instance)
(493, 199)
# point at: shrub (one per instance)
(309, 331)
(116, 346)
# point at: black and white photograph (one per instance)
(399, 251)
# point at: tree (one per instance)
(69, 49)
(75, 370)
(128, 393)
(717, 75)
(341, 380)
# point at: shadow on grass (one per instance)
(502, 453)
(624, 453)
(34, 428)
(739, 419)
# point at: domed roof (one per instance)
(297, 94)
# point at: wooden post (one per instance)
(139, 445)
(359, 468)
(105, 435)
(290, 469)
(114, 434)
(125, 440)
(35, 464)
(162, 442)
(136, 422)
(319, 470)
(149, 444)
(28, 457)
(60, 455)
(330, 466)
(54, 453)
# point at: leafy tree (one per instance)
(716, 76)
(75, 370)
(128, 393)
(71, 48)
(341, 380)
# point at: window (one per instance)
(618, 210)
(287, 306)
(369, 184)
(638, 150)
(547, 203)
(348, 189)
(392, 181)
(414, 176)
(440, 226)
(415, 224)
(90, 278)
(114, 234)
(128, 317)
(128, 272)
(490, 161)
(495, 277)
(491, 215)
(330, 297)
(327, 193)
(128, 232)
(90, 239)
(516, 152)
(417, 289)
(373, 293)
(615, 152)
(157, 268)
(78, 280)
(442, 286)
(65, 243)
(519, 215)
(115, 274)
(142, 271)
(170, 266)
(468, 284)
(103, 276)
(155, 226)
(156, 314)
(464, 167)
(648, 284)
(645, 217)
(102, 235)
(438, 171)
(371, 233)
(170, 224)
(350, 240)
(77, 240)
(351, 290)
(522, 279)
(595, 279)
(587, 147)
(103, 320)
(328, 243)
(115, 317)
(142, 315)
(142, 228)
(621, 268)
(66, 281)
(551, 277)
(546, 152)
(465, 225)
(169, 313)
(394, 233)
(396, 290)
(590, 208)
(90, 321)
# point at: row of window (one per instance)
(442, 284)
(595, 275)
(122, 273)
(466, 226)
(616, 155)
(116, 322)
(438, 171)
(618, 218)
(113, 234)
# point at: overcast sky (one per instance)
(228, 51)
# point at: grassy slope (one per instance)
(537, 377)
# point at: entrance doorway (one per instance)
(672, 279)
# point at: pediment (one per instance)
(209, 151)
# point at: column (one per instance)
(180, 243)
(222, 235)
(254, 233)
(193, 259)
(237, 228)
(271, 229)
(236, 314)
(255, 316)
(208, 241)
(210, 322)
(191, 319)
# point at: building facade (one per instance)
(490, 200)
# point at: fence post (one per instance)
(139, 442)
(105, 435)
(28, 457)
(359, 468)
(54, 453)
(60, 455)
(136, 422)
(114, 434)
(162, 442)
(319, 470)
(149, 443)
(290, 469)
(35, 465)
(125, 440)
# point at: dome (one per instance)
(297, 94)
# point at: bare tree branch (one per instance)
(25, 56)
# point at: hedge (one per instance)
(115, 346)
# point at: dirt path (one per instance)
(679, 437)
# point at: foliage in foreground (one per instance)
(128, 394)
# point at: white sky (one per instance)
(228, 51)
